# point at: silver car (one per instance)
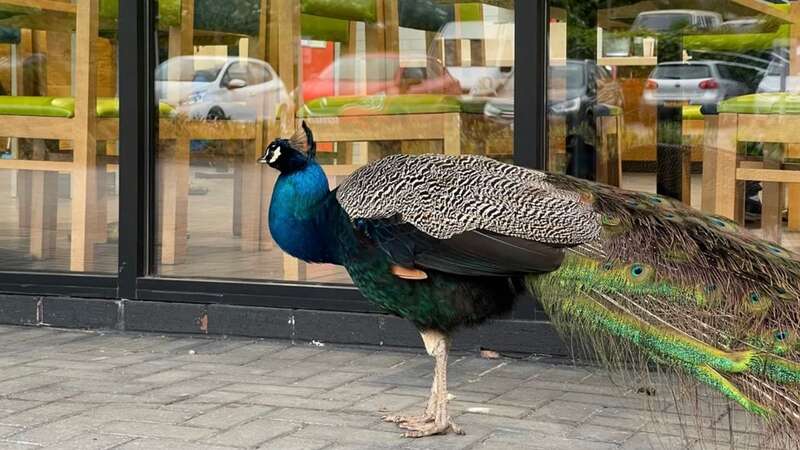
(699, 82)
(220, 87)
(777, 78)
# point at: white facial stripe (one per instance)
(275, 155)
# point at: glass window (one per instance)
(59, 128)
(372, 78)
(680, 96)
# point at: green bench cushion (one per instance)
(61, 106)
(357, 105)
(356, 10)
(692, 112)
(767, 103)
(32, 106)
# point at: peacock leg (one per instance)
(437, 345)
(430, 410)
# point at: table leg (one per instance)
(44, 214)
(174, 200)
(772, 196)
(452, 134)
(793, 151)
(723, 160)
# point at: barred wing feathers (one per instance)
(444, 196)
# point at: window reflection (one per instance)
(691, 103)
(371, 77)
(59, 122)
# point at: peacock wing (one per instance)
(472, 253)
(467, 215)
(690, 290)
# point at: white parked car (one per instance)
(220, 88)
(700, 82)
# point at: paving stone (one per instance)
(559, 410)
(159, 430)
(152, 444)
(219, 396)
(425, 392)
(45, 394)
(527, 397)
(168, 377)
(656, 441)
(185, 389)
(90, 441)
(294, 443)
(8, 430)
(137, 413)
(387, 403)
(11, 406)
(9, 373)
(8, 445)
(44, 413)
(227, 416)
(552, 429)
(600, 434)
(25, 383)
(298, 390)
(253, 433)
(330, 418)
(351, 392)
(57, 431)
(346, 435)
(297, 402)
(458, 407)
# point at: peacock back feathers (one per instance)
(689, 290)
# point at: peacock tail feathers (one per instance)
(691, 291)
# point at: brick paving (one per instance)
(63, 389)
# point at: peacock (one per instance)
(449, 241)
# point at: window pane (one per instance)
(59, 128)
(689, 93)
(371, 79)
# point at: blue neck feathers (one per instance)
(299, 213)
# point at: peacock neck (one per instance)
(299, 213)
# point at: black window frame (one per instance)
(135, 279)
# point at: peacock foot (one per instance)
(431, 428)
(424, 418)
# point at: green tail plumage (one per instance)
(690, 291)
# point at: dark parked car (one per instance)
(580, 90)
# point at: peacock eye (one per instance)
(754, 297)
(781, 335)
(637, 270)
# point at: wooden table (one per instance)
(725, 170)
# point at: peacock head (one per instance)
(293, 154)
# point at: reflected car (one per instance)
(497, 32)
(699, 82)
(381, 73)
(777, 78)
(667, 20)
(576, 89)
(220, 88)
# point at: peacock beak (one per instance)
(265, 157)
